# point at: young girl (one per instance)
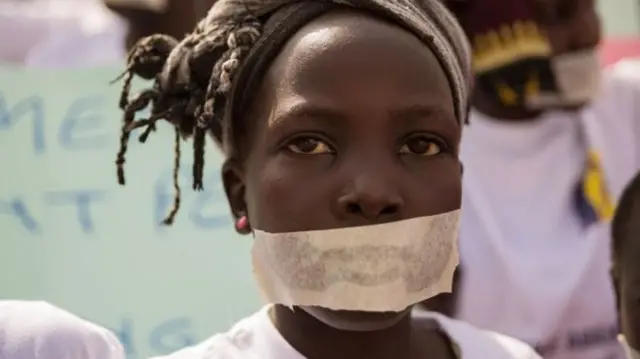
(340, 122)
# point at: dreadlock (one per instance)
(190, 106)
(146, 59)
(626, 223)
(203, 83)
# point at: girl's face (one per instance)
(353, 125)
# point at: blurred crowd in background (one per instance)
(86, 33)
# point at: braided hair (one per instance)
(179, 95)
(203, 83)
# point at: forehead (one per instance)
(349, 57)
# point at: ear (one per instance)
(234, 187)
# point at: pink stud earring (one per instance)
(241, 224)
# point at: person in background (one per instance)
(625, 269)
(60, 34)
(330, 115)
(39, 330)
(146, 17)
(552, 142)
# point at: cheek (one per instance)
(282, 196)
(435, 188)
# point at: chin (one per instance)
(357, 321)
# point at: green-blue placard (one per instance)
(69, 234)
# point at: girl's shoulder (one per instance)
(243, 340)
(202, 350)
(474, 343)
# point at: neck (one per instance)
(316, 340)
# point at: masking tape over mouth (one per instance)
(377, 268)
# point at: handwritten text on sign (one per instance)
(71, 235)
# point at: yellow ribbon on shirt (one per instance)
(595, 188)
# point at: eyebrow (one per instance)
(304, 110)
(335, 118)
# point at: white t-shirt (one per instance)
(532, 269)
(61, 34)
(256, 337)
(38, 330)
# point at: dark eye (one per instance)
(421, 146)
(309, 146)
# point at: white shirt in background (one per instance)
(61, 34)
(256, 337)
(531, 268)
(38, 330)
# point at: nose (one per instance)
(371, 199)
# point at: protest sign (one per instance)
(72, 236)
